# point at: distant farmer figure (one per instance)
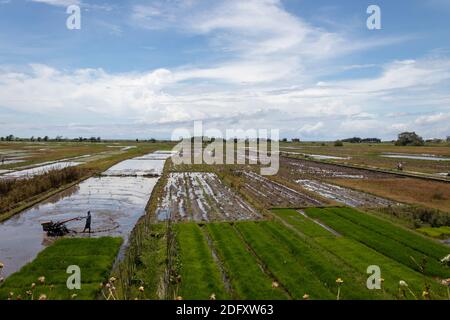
(88, 222)
(400, 166)
(3, 159)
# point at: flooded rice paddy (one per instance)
(346, 196)
(136, 167)
(430, 157)
(300, 168)
(274, 194)
(116, 204)
(202, 196)
(27, 173)
(317, 156)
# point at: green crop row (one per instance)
(408, 238)
(200, 276)
(247, 279)
(93, 256)
(381, 243)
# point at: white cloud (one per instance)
(433, 119)
(311, 128)
(167, 97)
(59, 3)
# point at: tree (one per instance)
(448, 139)
(338, 143)
(409, 139)
(46, 138)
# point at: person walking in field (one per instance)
(88, 222)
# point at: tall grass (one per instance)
(14, 191)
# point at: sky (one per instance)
(141, 69)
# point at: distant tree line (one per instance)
(61, 138)
(362, 140)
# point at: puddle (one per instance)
(136, 167)
(4, 171)
(39, 170)
(116, 203)
(202, 196)
(10, 161)
(443, 174)
(430, 157)
(349, 197)
(318, 156)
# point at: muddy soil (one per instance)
(274, 194)
(304, 169)
(346, 196)
(201, 196)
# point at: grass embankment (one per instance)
(94, 256)
(414, 216)
(15, 192)
(439, 233)
(432, 194)
(358, 256)
(199, 275)
(144, 263)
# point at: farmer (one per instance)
(400, 166)
(88, 222)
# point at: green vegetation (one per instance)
(200, 276)
(94, 256)
(440, 232)
(14, 191)
(401, 245)
(144, 263)
(287, 266)
(409, 139)
(358, 257)
(247, 279)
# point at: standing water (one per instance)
(116, 204)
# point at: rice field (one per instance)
(199, 232)
(202, 196)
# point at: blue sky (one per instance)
(144, 68)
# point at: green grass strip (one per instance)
(292, 273)
(383, 244)
(408, 238)
(308, 227)
(94, 256)
(200, 276)
(246, 277)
